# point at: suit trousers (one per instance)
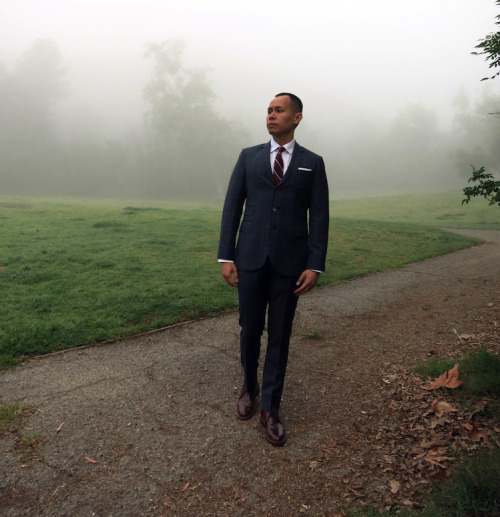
(259, 290)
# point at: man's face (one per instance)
(281, 118)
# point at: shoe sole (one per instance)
(276, 444)
(246, 417)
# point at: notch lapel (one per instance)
(292, 166)
(266, 162)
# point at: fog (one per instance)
(154, 99)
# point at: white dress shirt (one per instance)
(286, 155)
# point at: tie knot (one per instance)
(281, 149)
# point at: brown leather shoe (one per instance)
(246, 404)
(275, 432)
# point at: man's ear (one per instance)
(297, 118)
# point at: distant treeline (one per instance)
(186, 150)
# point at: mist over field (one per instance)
(155, 99)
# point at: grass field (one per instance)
(440, 210)
(77, 271)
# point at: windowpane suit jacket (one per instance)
(287, 223)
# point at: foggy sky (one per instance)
(350, 62)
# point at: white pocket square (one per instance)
(304, 169)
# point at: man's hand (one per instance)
(230, 273)
(307, 280)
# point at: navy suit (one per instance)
(284, 231)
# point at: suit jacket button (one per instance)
(274, 209)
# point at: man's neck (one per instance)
(283, 140)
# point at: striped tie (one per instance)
(279, 166)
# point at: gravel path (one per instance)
(147, 426)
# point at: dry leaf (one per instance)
(395, 486)
(186, 486)
(449, 379)
(60, 427)
(474, 434)
(90, 460)
(440, 474)
(439, 421)
(440, 406)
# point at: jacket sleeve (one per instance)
(233, 208)
(319, 219)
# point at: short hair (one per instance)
(296, 102)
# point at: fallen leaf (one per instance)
(60, 427)
(440, 406)
(313, 465)
(440, 474)
(90, 460)
(186, 486)
(449, 379)
(395, 486)
(439, 421)
(475, 435)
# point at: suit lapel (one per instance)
(266, 162)
(292, 166)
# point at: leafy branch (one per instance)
(490, 46)
(487, 187)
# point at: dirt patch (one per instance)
(148, 426)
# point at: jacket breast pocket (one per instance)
(304, 177)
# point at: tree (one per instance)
(476, 134)
(28, 96)
(31, 91)
(490, 47)
(191, 147)
(487, 187)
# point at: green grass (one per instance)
(359, 247)
(76, 271)
(11, 415)
(443, 210)
(480, 371)
(29, 447)
(472, 491)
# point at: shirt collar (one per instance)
(289, 146)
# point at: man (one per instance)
(280, 252)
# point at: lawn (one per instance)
(76, 271)
(443, 210)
